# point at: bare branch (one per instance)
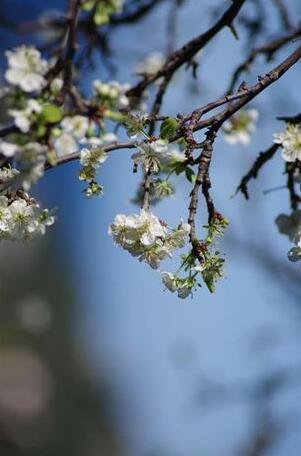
(189, 50)
(261, 160)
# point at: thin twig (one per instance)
(267, 49)
(294, 197)
(76, 155)
(189, 50)
(261, 160)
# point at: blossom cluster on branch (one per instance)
(48, 122)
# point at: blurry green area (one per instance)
(50, 404)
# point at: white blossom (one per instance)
(146, 237)
(152, 154)
(108, 138)
(152, 228)
(22, 219)
(142, 235)
(93, 157)
(145, 228)
(96, 141)
(290, 141)
(152, 63)
(31, 159)
(238, 128)
(56, 85)
(65, 144)
(77, 126)
(169, 280)
(26, 68)
(7, 174)
(178, 237)
(33, 173)
(183, 287)
(23, 118)
(8, 149)
(5, 215)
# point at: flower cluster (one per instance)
(45, 126)
(24, 118)
(173, 283)
(26, 69)
(239, 128)
(153, 155)
(146, 237)
(7, 176)
(212, 269)
(210, 266)
(22, 219)
(290, 141)
(290, 225)
(90, 160)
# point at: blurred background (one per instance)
(95, 358)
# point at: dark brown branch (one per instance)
(295, 199)
(67, 52)
(158, 102)
(8, 130)
(261, 160)
(208, 198)
(146, 189)
(73, 15)
(291, 119)
(198, 113)
(76, 155)
(252, 92)
(268, 50)
(189, 50)
(202, 174)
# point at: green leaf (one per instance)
(190, 174)
(51, 113)
(168, 128)
(178, 167)
(210, 285)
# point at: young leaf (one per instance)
(168, 128)
(190, 174)
(51, 113)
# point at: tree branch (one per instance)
(189, 50)
(255, 168)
